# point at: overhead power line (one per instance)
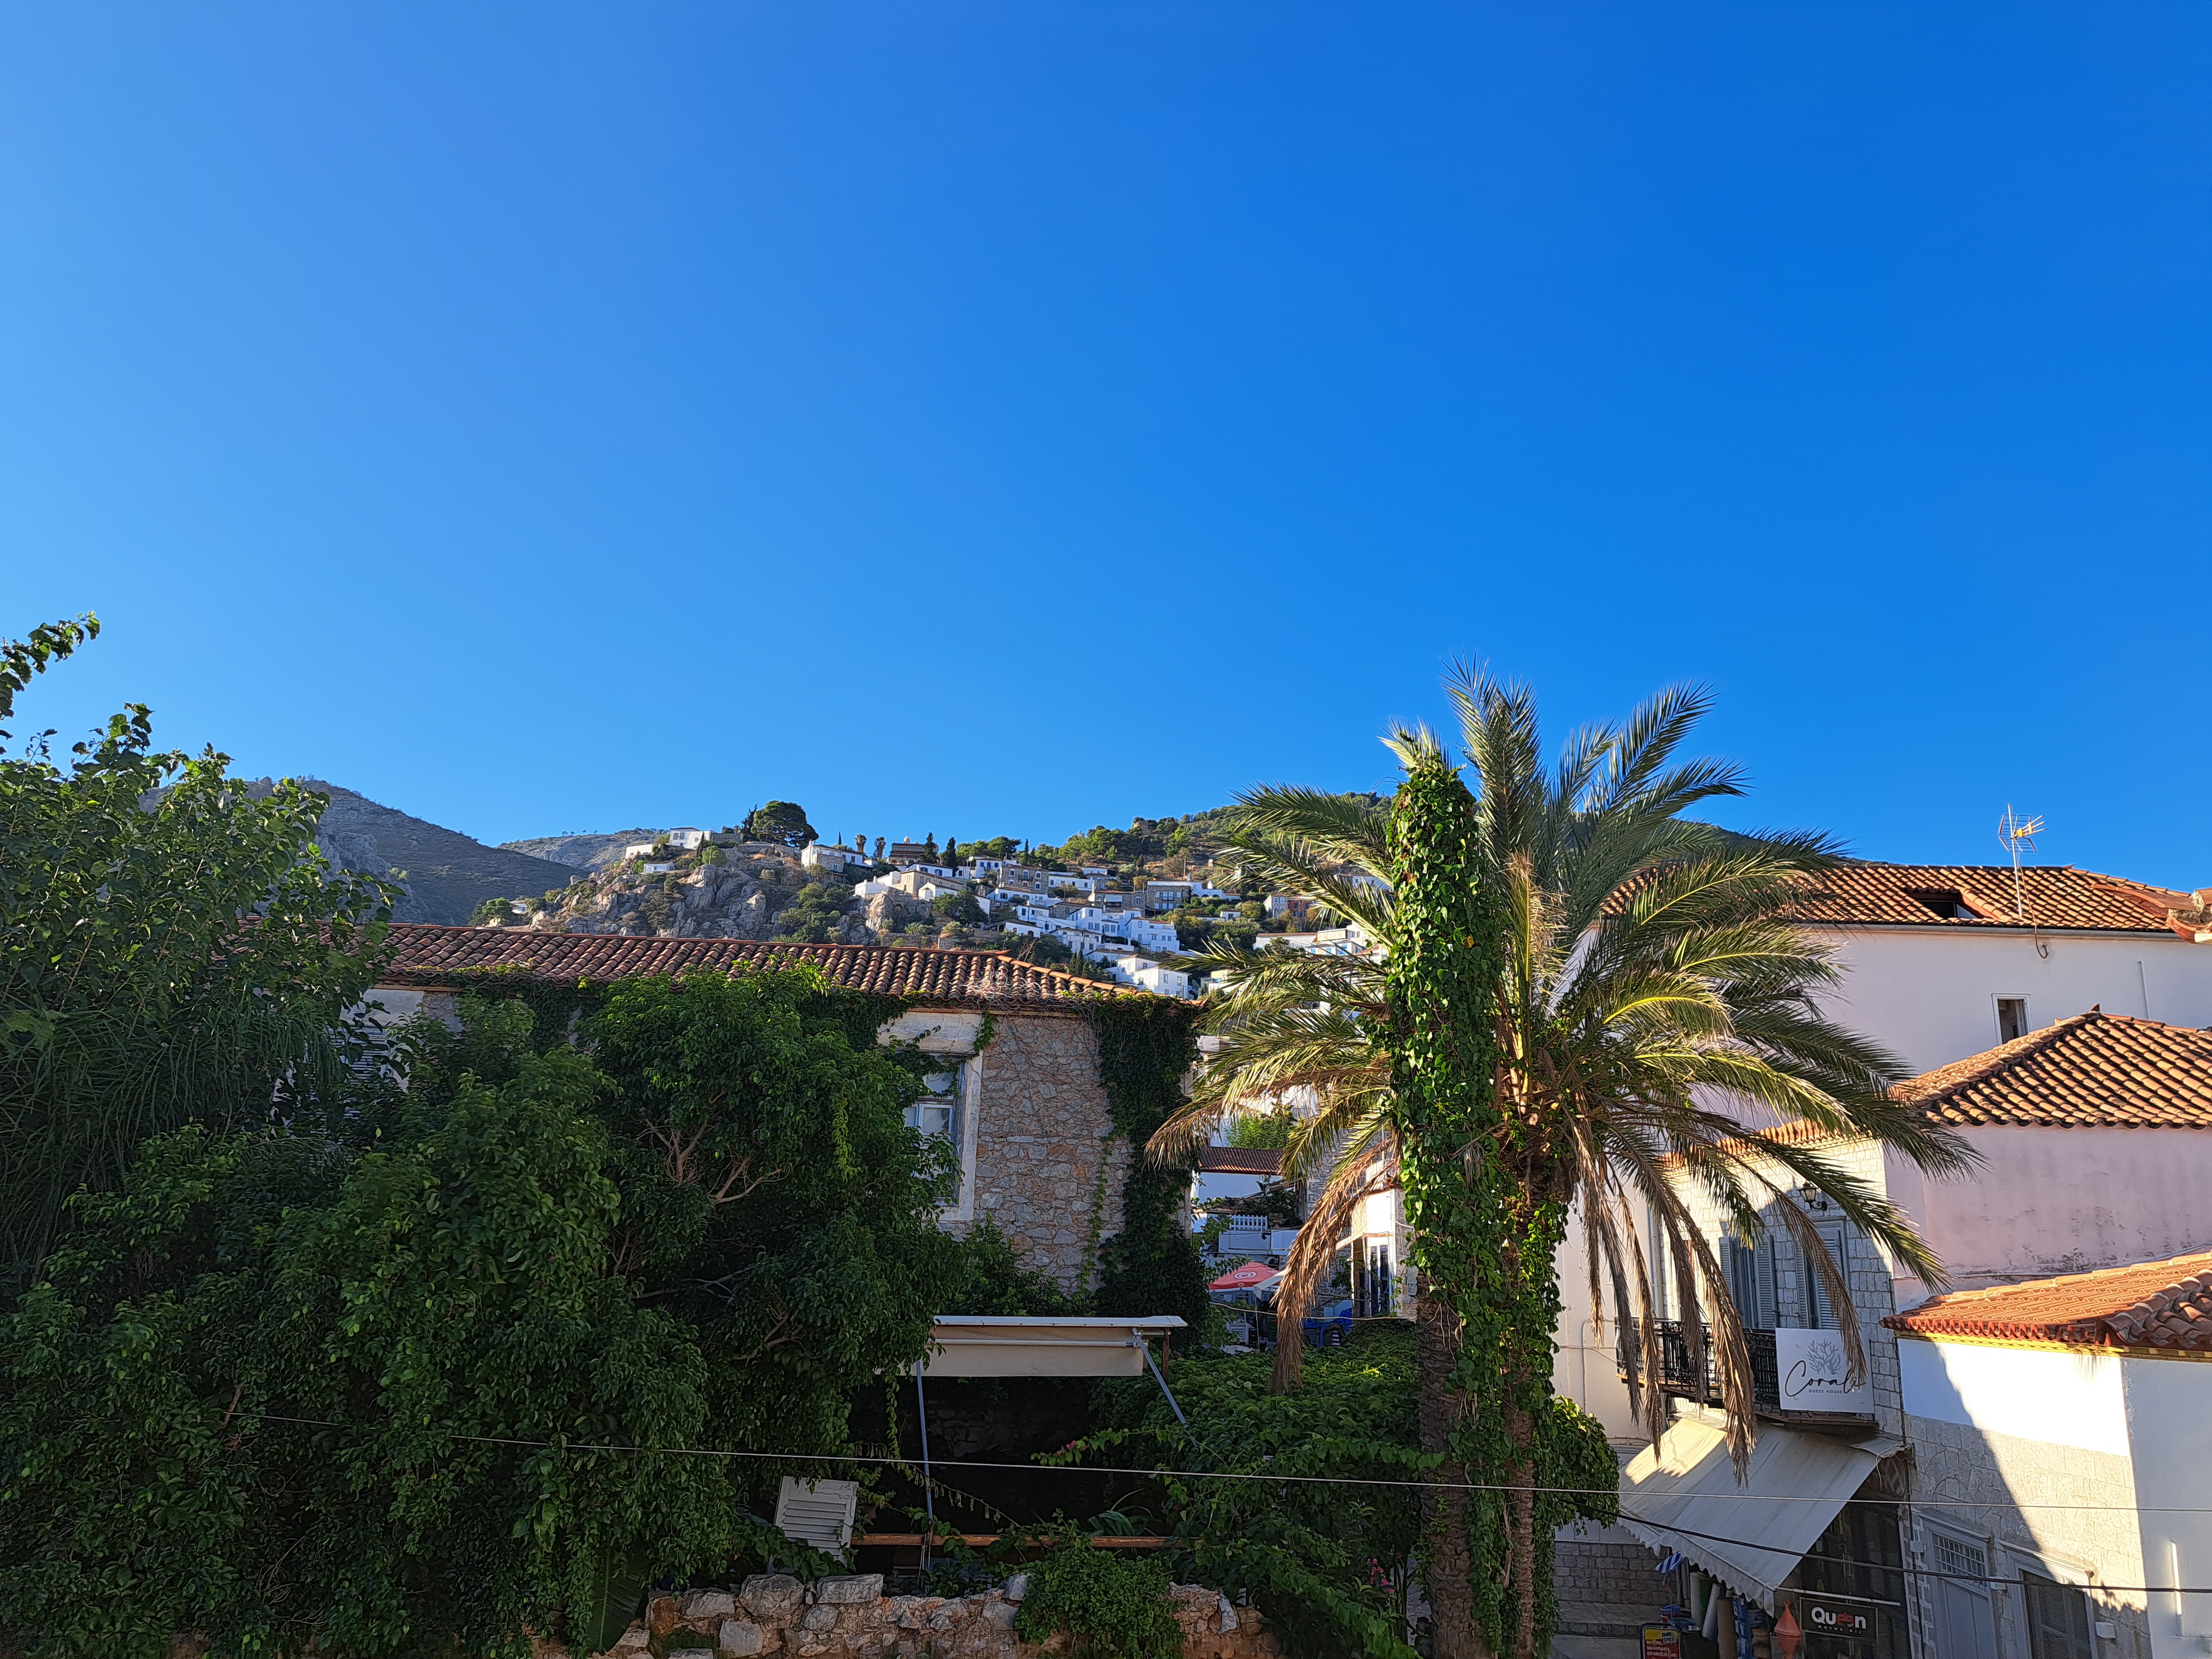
(1262, 1477)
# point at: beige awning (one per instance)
(977, 1345)
(1682, 1495)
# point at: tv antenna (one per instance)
(2015, 833)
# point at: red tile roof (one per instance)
(2055, 897)
(2093, 1070)
(1241, 1160)
(2151, 1305)
(434, 956)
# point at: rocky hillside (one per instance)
(447, 874)
(754, 890)
(585, 852)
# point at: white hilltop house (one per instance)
(685, 839)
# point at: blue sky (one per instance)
(1000, 418)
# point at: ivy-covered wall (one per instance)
(1147, 1047)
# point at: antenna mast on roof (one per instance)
(2013, 832)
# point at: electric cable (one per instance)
(1260, 1476)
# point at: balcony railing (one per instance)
(1677, 1377)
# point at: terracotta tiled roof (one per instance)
(2093, 1070)
(2055, 897)
(1241, 1160)
(2151, 1305)
(431, 956)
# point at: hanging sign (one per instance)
(1816, 1376)
(1834, 1619)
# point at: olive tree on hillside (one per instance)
(780, 821)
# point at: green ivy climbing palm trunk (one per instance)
(1443, 968)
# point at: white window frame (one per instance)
(1997, 1000)
(965, 1100)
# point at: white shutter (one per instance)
(818, 1512)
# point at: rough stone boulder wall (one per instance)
(851, 1618)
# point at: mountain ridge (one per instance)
(446, 874)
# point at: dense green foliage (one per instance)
(816, 912)
(273, 1390)
(1324, 1562)
(173, 950)
(1113, 1606)
(1443, 966)
(1261, 1131)
(780, 821)
(994, 1280)
(961, 908)
(1146, 1047)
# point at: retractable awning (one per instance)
(1682, 1495)
(977, 1345)
(981, 1345)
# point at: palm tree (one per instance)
(1658, 1028)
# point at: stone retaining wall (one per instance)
(851, 1618)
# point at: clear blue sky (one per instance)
(1000, 418)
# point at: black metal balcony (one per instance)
(1677, 1377)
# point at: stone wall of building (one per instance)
(1612, 1568)
(1043, 1131)
(2063, 1512)
(851, 1618)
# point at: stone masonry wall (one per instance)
(851, 1618)
(2031, 1505)
(1041, 1129)
(1607, 1571)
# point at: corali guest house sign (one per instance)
(1814, 1376)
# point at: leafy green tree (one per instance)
(995, 1280)
(780, 821)
(961, 908)
(1260, 1130)
(173, 950)
(816, 912)
(261, 1394)
(362, 1385)
(1320, 1560)
(772, 1193)
(489, 911)
(1651, 994)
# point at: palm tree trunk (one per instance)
(1520, 1529)
(1451, 1566)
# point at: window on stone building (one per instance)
(1750, 1280)
(935, 1112)
(2057, 1619)
(1821, 1310)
